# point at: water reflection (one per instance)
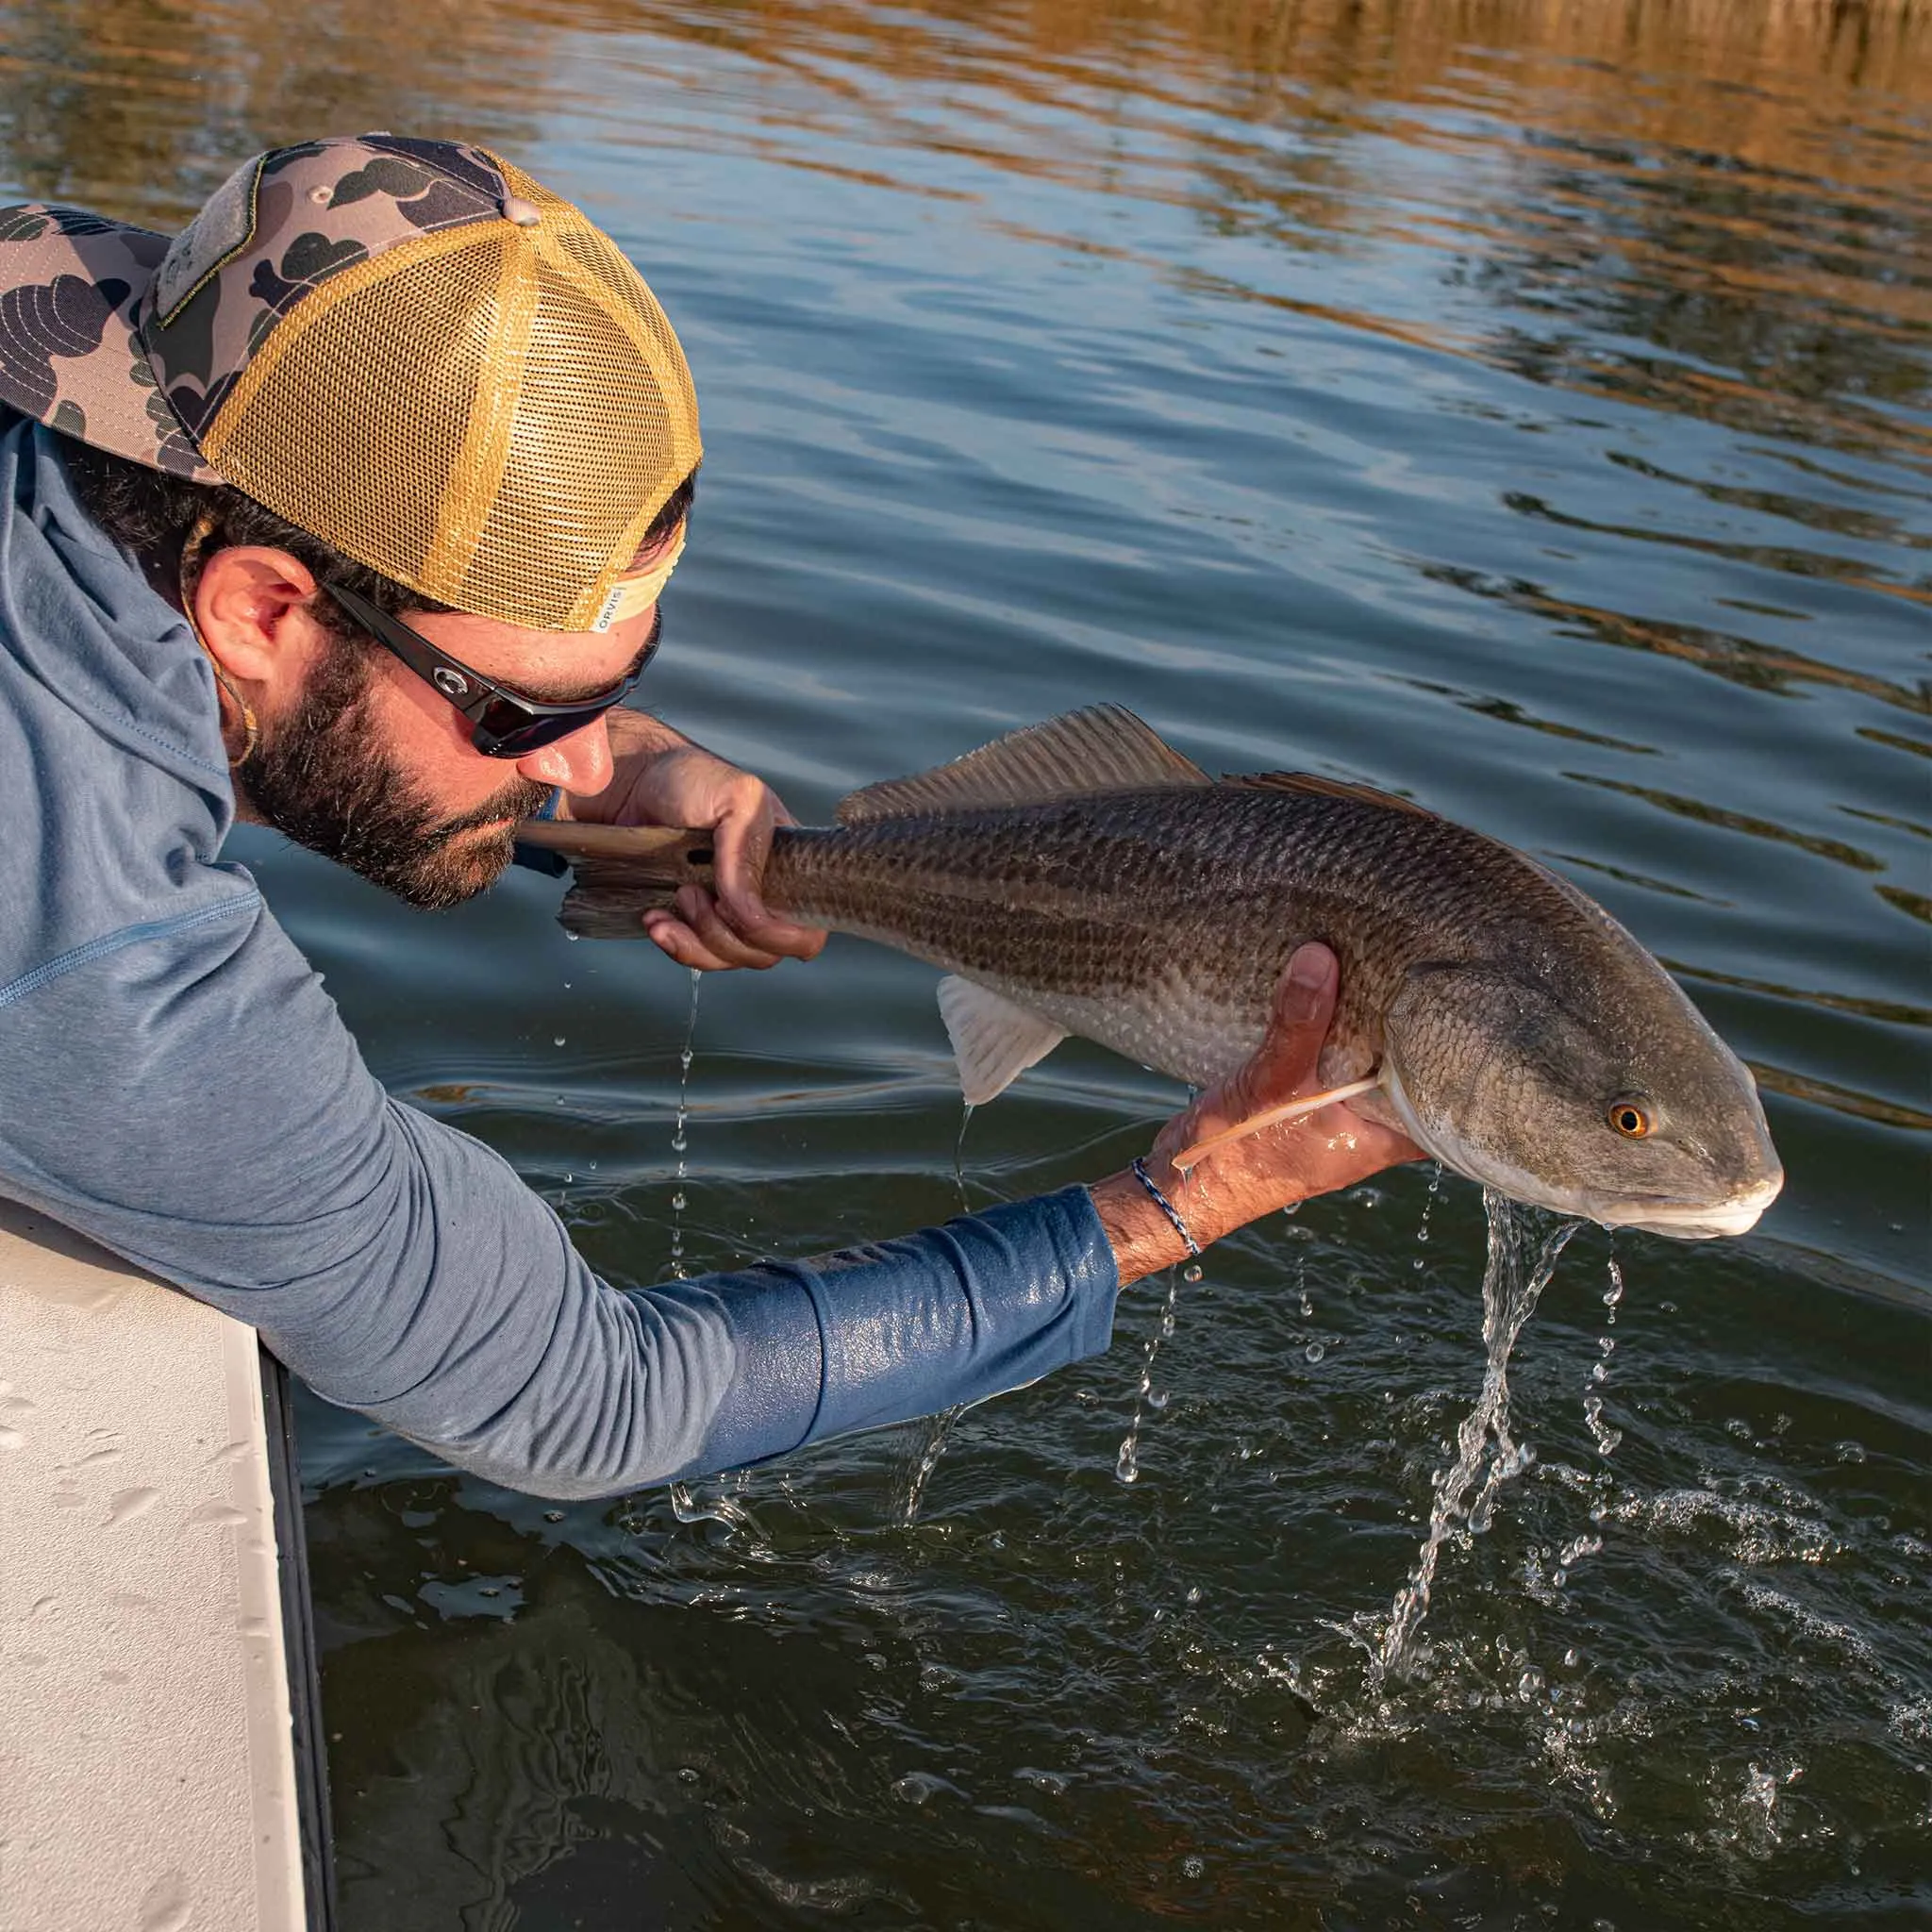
(1837, 850)
(1739, 660)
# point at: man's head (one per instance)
(400, 366)
(344, 749)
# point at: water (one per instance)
(1519, 406)
(1515, 1273)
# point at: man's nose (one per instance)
(579, 763)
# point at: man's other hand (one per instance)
(663, 779)
(1271, 1169)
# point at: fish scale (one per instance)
(1158, 920)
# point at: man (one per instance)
(348, 512)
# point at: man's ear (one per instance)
(249, 604)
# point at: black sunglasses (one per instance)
(502, 725)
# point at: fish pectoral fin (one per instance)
(994, 1040)
(1288, 1111)
(1103, 748)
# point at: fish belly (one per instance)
(1177, 1027)
(1183, 1018)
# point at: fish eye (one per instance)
(1629, 1119)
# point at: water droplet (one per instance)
(168, 1904)
(553, 1516)
(1315, 1351)
(678, 1201)
(1127, 1469)
(1192, 1272)
(1194, 1865)
(557, 1040)
(1529, 1683)
(678, 1142)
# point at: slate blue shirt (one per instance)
(175, 1083)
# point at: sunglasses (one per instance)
(502, 725)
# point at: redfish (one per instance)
(1081, 876)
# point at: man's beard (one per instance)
(324, 780)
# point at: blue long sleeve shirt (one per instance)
(175, 1083)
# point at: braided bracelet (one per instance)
(1166, 1206)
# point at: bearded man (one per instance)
(348, 511)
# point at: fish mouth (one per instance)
(1695, 1221)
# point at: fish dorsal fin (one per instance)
(994, 1040)
(1103, 748)
(1326, 788)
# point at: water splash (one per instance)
(679, 1137)
(1127, 1465)
(1516, 1270)
(689, 1504)
(1605, 1437)
(959, 1156)
(936, 1430)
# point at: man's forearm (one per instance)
(1142, 1239)
(1145, 1240)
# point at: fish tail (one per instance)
(614, 892)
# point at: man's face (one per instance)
(366, 763)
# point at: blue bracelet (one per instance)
(1166, 1206)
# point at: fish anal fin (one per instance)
(1321, 787)
(1103, 748)
(994, 1040)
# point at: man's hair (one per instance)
(153, 513)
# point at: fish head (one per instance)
(1599, 1092)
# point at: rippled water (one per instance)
(1523, 406)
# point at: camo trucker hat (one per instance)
(408, 348)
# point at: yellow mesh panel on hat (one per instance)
(327, 430)
(491, 415)
(591, 478)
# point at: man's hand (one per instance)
(663, 779)
(1268, 1170)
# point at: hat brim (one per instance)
(71, 290)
